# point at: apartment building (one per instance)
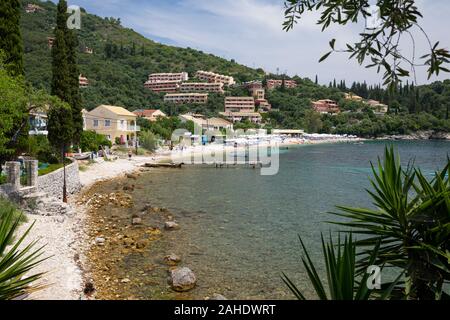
(263, 105)
(378, 107)
(272, 84)
(83, 81)
(239, 104)
(353, 97)
(150, 114)
(38, 120)
(212, 77)
(216, 87)
(163, 86)
(182, 98)
(168, 77)
(234, 117)
(116, 123)
(326, 106)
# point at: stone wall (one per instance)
(6, 190)
(52, 183)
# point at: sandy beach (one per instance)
(66, 238)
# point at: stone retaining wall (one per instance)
(52, 183)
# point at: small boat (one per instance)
(82, 156)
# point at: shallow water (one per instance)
(239, 229)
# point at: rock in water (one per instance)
(171, 225)
(100, 241)
(136, 221)
(182, 279)
(131, 176)
(172, 259)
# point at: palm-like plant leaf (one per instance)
(16, 263)
(411, 223)
(342, 280)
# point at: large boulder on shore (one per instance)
(182, 279)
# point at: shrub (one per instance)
(148, 140)
(39, 148)
(91, 141)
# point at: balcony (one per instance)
(133, 128)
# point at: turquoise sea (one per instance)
(239, 230)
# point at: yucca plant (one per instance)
(412, 223)
(15, 263)
(343, 282)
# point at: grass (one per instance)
(52, 167)
(3, 179)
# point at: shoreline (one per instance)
(124, 169)
(69, 239)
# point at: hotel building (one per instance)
(272, 84)
(326, 106)
(163, 86)
(83, 81)
(202, 87)
(254, 117)
(212, 77)
(168, 77)
(239, 104)
(178, 98)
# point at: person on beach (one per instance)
(129, 155)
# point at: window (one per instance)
(95, 123)
(107, 123)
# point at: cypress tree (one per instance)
(10, 36)
(60, 81)
(65, 84)
(75, 97)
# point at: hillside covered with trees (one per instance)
(122, 59)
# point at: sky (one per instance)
(250, 31)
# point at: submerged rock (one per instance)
(141, 244)
(100, 241)
(171, 225)
(136, 221)
(182, 279)
(172, 259)
(131, 176)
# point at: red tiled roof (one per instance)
(145, 113)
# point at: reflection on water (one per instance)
(239, 229)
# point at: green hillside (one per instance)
(121, 61)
